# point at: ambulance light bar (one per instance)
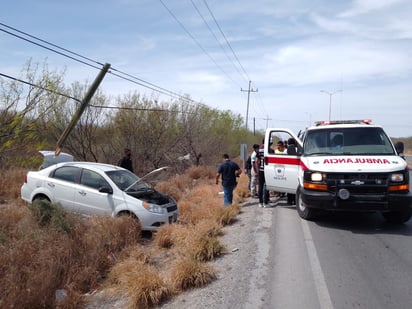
(327, 122)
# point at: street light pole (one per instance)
(330, 99)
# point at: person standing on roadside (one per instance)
(291, 150)
(262, 193)
(126, 161)
(254, 181)
(248, 170)
(229, 171)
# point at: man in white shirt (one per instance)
(255, 172)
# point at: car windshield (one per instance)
(125, 179)
(347, 141)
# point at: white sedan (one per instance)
(100, 189)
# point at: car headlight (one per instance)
(397, 177)
(154, 208)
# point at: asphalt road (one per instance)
(277, 260)
(343, 261)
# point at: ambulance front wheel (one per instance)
(304, 211)
(397, 217)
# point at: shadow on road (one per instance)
(363, 223)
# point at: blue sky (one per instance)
(290, 50)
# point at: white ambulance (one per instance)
(340, 166)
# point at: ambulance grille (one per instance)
(359, 183)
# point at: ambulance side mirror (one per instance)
(299, 151)
(399, 147)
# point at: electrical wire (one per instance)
(41, 87)
(214, 35)
(91, 105)
(260, 102)
(224, 36)
(51, 44)
(129, 77)
(197, 42)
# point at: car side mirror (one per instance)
(106, 190)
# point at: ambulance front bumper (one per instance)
(356, 202)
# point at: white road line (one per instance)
(321, 287)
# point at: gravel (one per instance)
(240, 271)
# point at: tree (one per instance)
(20, 106)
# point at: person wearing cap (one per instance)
(126, 161)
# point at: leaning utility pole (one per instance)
(248, 97)
(92, 89)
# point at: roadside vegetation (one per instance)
(49, 258)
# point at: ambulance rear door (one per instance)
(281, 169)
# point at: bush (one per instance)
(48, 213)
(188, 273)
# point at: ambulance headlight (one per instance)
(397, 177)
(316, 176)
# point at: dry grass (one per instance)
(188, 273)
(140, 283)
(10, 184)
(44, 250)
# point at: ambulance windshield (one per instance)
(347, 141)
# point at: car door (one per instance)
(88, 199)
(281, 169)
(62, 183)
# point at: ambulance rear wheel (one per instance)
(304, 211)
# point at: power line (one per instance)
(217, 40)
(41, 87)
(48, 48)
(51, 44)
(129, 77)
(91, 105)
(234, 54)
(196, 41)
(227, 42)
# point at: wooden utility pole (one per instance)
(92, 89)
(248, 97)
(267, 120)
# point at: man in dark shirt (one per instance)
(229, 171)
(262, 192)
(126, 161)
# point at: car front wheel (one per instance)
(304, 211)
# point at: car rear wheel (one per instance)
(397, 217)
(42, 198)
(304, 211)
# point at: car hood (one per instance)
(150, 178)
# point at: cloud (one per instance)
(361, 7)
